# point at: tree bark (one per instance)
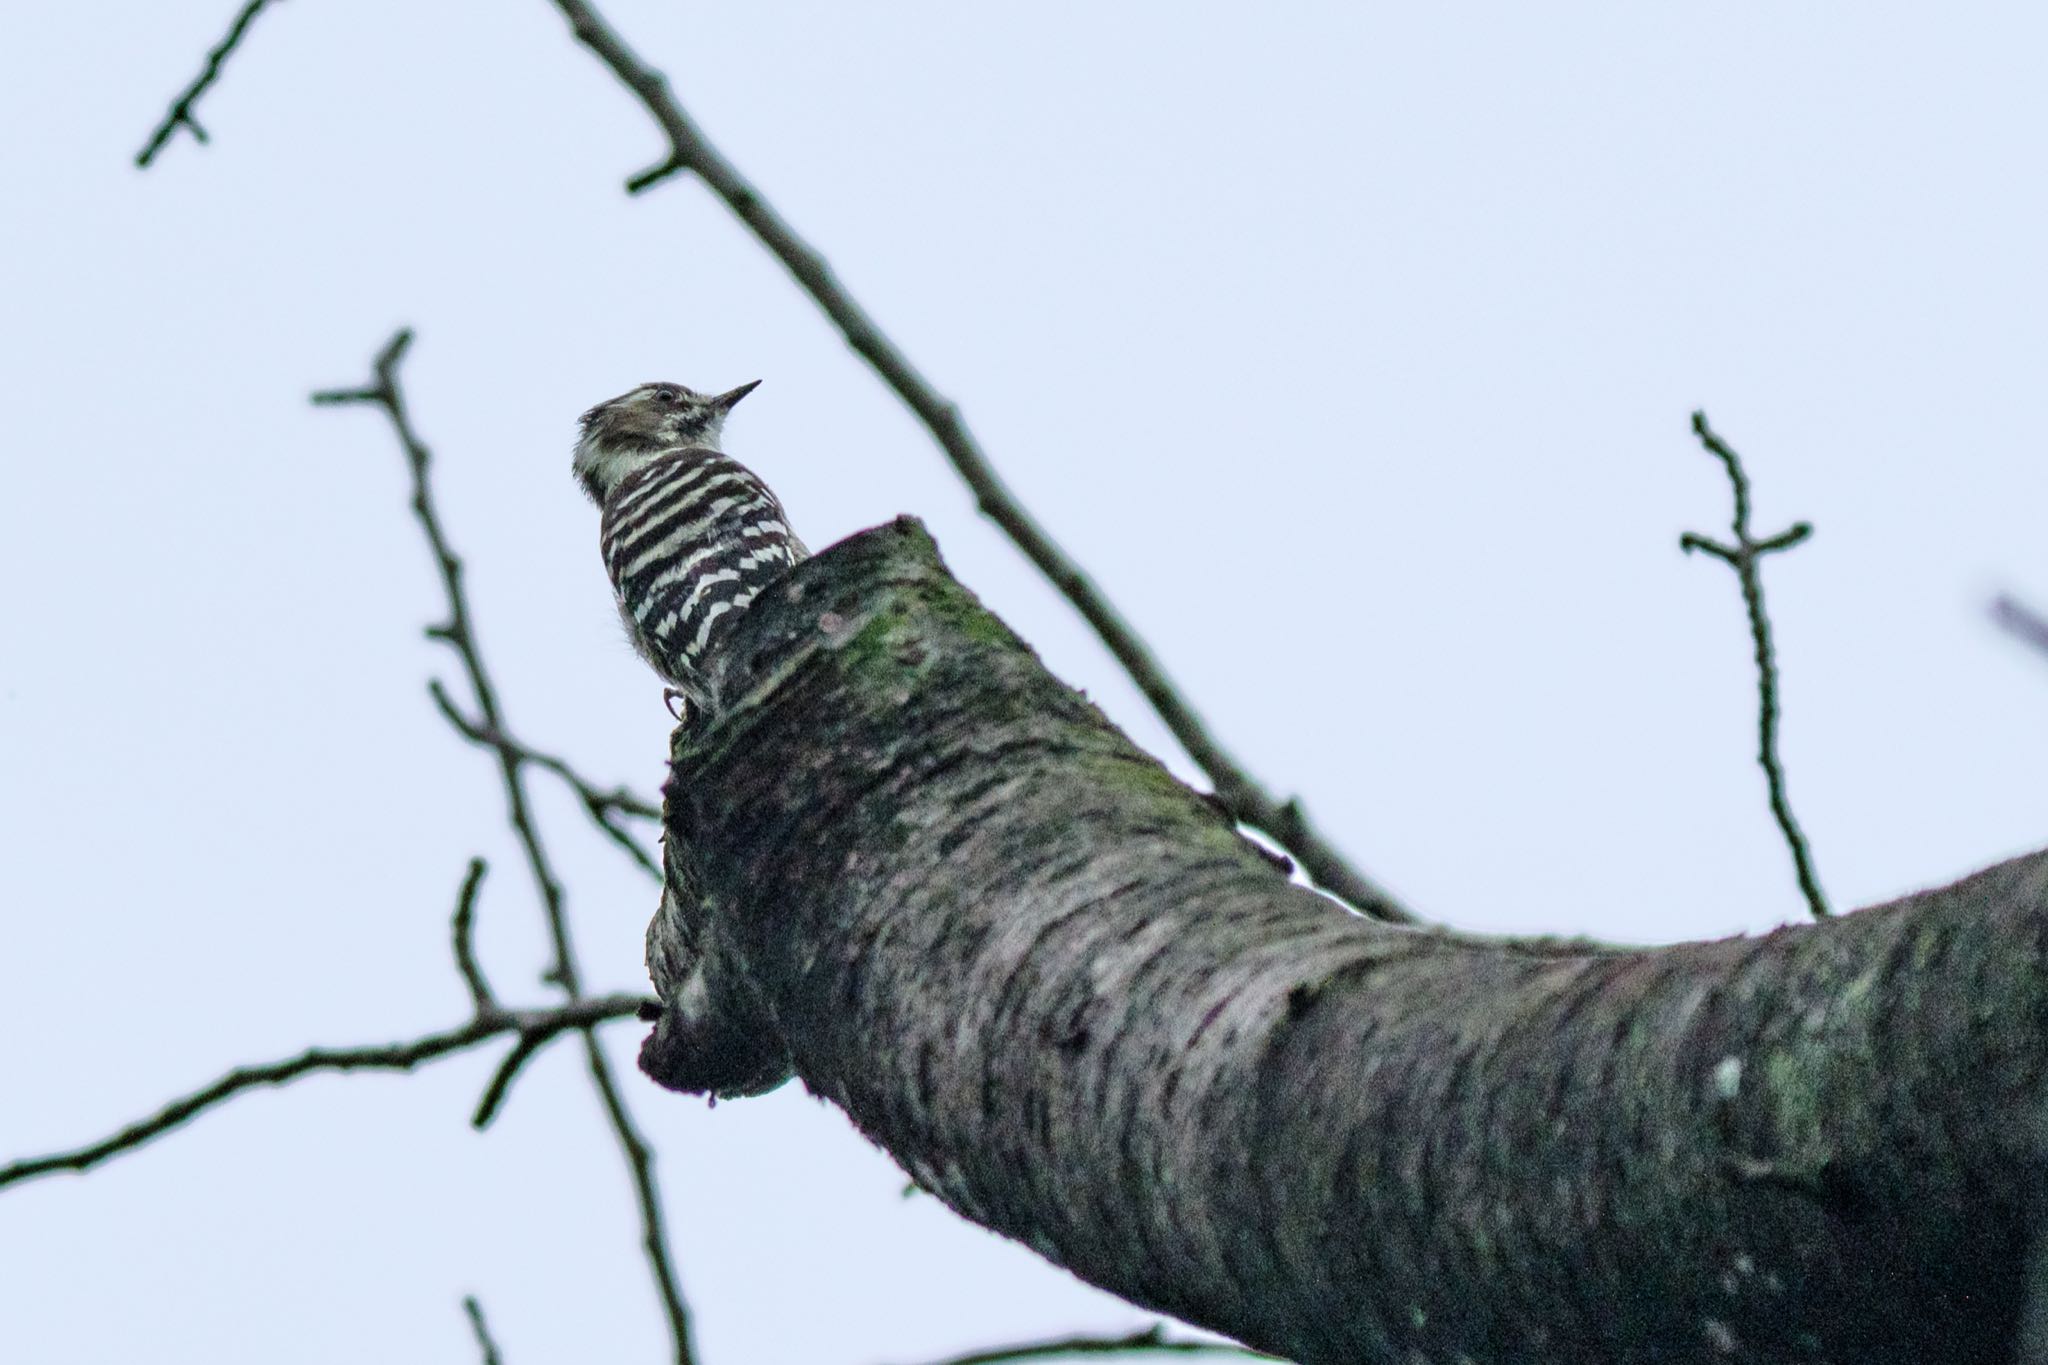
(1076, 1005)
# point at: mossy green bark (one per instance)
(1075, 1004)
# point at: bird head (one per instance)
(622, 434)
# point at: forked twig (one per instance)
(600, 805)
(180, 115)
(1742, 557)
(534, 1028)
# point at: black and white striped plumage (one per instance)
(690, 536)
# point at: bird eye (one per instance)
(668, 396)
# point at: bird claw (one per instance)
(669, 697)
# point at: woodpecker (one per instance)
(689, 535)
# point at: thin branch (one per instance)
(1241, 795)
(1152, 1341)
(532, 1026)
(501, 1082)
(620, 798)
(487, 1349)
(640, 1163)
(384, 392)
(2025, 624)
(600, 805)
(455, 632)
(1742, 556)
(465, 945)
(180, 113)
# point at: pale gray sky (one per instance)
(1350, 347)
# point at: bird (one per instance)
(689, 535)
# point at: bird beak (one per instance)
(725, 400)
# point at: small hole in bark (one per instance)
(1072, 1033)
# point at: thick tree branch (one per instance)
(534, 1029)
(1064, 994)
(512, 757)
(180, 113)
(1742, 557)
(1247, 801)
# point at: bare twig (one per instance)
(640, 1164)
(689, 150)
(501, 1083)
(180, 113)
(533, 1027)
(1742, 557)
(600, 805)
(1151, 1341)
(487, 1349)
(465, 945)
(2025, 624)
(384, 392)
